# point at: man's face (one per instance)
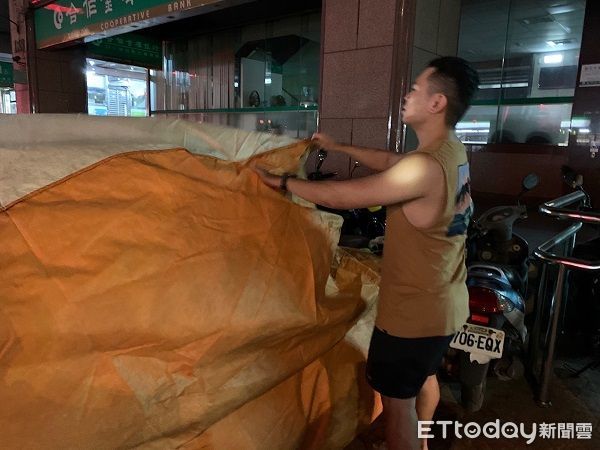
(416, 103)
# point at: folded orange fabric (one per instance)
(154, 297)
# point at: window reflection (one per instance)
(262, 76)
(8, 101)
(116, 89)
(527, 55)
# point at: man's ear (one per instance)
(438, 103)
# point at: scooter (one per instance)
(497, 273)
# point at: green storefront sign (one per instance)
(6, 74)
(69, 20)
(128, 48)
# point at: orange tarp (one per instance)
(161, 299)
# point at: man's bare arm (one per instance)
(412, 178)
(378, 160)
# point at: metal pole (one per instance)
(571, 244)
(148, 93)
(569, 247)
(534, 341)
(548, 369)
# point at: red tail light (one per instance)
(479, 319)
(482, 300)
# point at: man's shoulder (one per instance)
(446, 145)
(420, 163)
(450, 152)
(453, 144)
(425, 158)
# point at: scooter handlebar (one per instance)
(500, 220)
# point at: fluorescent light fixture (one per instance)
(561, 9)
(472, 125)
(580, 123)
(555, 58)
(504, 85)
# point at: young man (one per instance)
(423, 297)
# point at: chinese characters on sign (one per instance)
(130, 48)
(69, 20)
(88, 7)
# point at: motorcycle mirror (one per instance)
(530, 181)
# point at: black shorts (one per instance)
(398, 367)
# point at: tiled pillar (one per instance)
(436, 31)
(437, 25)
(18, 38)
(46, 81)
(59, 81)
(357, 80)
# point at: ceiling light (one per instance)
(580, 123)
(555, 58)
(561, 9)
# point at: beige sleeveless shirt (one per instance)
(423, 291)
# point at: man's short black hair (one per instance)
(458, 81)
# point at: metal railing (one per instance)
(556, 208)
(547, 253)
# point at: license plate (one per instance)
(477, 339)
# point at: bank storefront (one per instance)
(254, 65)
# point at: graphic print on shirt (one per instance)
(464, 203)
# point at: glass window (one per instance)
(527, 55)
(116, 89)
(8, 101)
(262, 76)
